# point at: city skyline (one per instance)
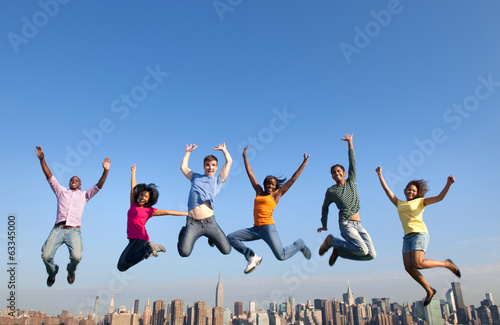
(417, 83)
(348, 297)
(177, 312)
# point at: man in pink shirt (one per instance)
(70, 204)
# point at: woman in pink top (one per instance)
(142, 199)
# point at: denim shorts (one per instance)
(415, 241)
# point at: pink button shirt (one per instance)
(70, 203)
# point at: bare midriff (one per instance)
(201, 211)
(355, 217)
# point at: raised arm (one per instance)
(386, 188)
(169, 213)
(348, 137)
(435, 199)
(256, 186)
(279, 193)
(133, 183)
(224, 172)
(105, 164)
(185, 161)
(41, 156)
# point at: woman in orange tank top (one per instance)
(264, 228)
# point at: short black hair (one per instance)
(279, 181)
(336, 165)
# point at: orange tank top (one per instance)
(263, 210)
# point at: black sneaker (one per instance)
(51, 280)
(71, 277)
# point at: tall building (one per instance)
(450, 300)
(335, 312)
(200, 313)
(433, 312)
(158, 312)
(217, 316)
(190, 315)
(484, 314)
(219, 294)
(252, 306)
(489, 297)
(96, 304)
(459, 303)
(177, 312)
(238, 308)
(146, 317)
(273, 307)
(319, 304)
(348, 296)
(112, 304)
(291, 300)
(495, 314)
(136, 306)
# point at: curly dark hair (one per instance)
(337, 165)
(279, 181)
(153, 193)
(421, 186)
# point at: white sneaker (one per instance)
(156, 248)
(252, 263)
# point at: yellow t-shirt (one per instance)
(411, 215)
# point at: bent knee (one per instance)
(75, 257)
(183, 252)
(418, 266)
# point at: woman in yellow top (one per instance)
(264, 228)
(416, 238)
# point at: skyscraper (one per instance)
(238, 308)
(252, 306)
(96, 304)
(200, 313)
(433, 312)
(459, 303)
(136, 306)
(146, 317)
(112, 304)
(450, 300)
(177, 312)
(219, 294)
(217, 316)
(158, 312)
(348, 296)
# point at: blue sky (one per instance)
(417, 83)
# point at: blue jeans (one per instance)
(269, 234)
(357, 245)
(58, 236)
(194, 229)
(136, 251)
(416, 241)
